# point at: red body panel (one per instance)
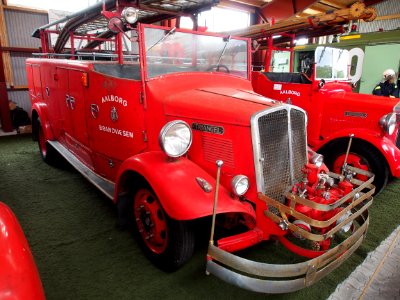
(334, 111)
(19, 278)
(191, 202)
(130, 143)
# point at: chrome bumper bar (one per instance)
(283, 278)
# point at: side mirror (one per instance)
(321, 83)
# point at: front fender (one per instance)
(174, 183)
(19, 278)
(382, 143)
(41, 109)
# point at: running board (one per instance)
(104, 185)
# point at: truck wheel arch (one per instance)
(39, 118)
(174, 182)
(340, 140)
(378, 162)
(382, 144)
(35, 125)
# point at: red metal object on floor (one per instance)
(19, 278)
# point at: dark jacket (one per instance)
(386, 89)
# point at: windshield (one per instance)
(331, 63)
(171, 51)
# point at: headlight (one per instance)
(240, 185)
(342, 219)
(175, 138)
(130, 14)
(317, 159)
(388, 123)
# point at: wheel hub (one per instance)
(146, 221)
(150, 220)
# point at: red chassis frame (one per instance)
(87, 116)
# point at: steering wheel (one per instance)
(305, 75)
(218, 67)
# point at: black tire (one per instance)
(371, 156)
(180, 237)
(47, 153)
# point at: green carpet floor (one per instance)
(80, 253)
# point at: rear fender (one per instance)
(39, 113)
(385, 146)
(174, 183)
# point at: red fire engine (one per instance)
(164, 121)
(334, 112)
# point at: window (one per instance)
(219, 19)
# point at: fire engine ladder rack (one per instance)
(91, 24)
(313, 26)
(82, 55)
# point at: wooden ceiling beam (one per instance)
(236, 5)
(332, 3)
(26, 9)
(254, 3)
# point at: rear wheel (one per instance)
(167, 243)
(48, 154)
(363, 156)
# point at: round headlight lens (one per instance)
(240, 185)
(175, 138)
(388, 123)
(130, 14)
(317, 159)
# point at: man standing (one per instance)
(388, 87)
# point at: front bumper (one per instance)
(284, 278)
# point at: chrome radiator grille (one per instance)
(279, 144)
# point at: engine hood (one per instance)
(217, 104)
(365, 101)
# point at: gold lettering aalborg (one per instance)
(115, 99)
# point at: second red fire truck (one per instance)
(324, 91)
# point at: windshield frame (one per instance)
(143, 60)
(324, 48)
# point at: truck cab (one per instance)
(167, 126)
(324, 90)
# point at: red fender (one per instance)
(174, 182)
(41, 109)
(19, 278)
(383, 144)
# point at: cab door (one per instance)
(61, 94)
(71, 94)
(115, 122)
(77, 106)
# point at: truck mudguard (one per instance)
(182, 173)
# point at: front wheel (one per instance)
(167, 243)
(362, 156)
